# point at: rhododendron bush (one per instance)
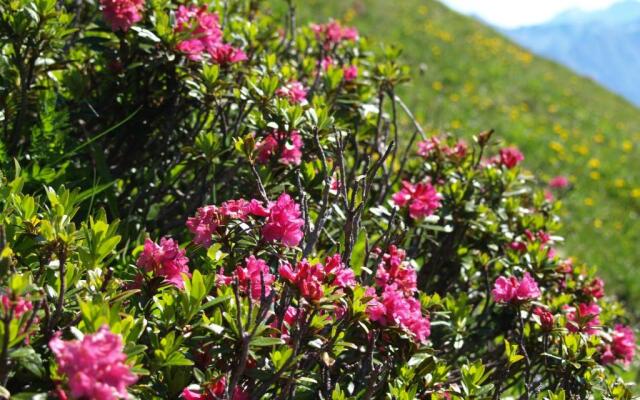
(208, 201)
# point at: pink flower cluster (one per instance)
(165, 260)
(541, 237)
(310, 279)
(95, 366)
(122, 14)
(396, 306)
(209, 218)
(205, 36)
(393, 269)
(433, 145)
(559, 182)
(583, 319)
(19, 306)
(595, 288)
(215, 391)
(251, 278)
(349, 71)
(421, 198)
(333, 33)
(288, 321)
(287, 145)
(283, 222)
(512, 290)
(294, 91)
(622, 346)
(510, 157)
(546, 318)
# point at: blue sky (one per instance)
(513, 13)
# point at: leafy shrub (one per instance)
(300, 242)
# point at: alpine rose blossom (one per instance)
(311, 279)
(510, 157)
(394, 270)
(350, 73)
(289, 146)
(333, 33)
(94, 366)
(255, 274)
(559, 182)
(214, 391)
(294, 91)
(203, 28)
(122, 14)
(622, 347)
(205, 225)
(595, 288)
(19, 306)
(225, 54)
(585, 318)
(421, 198)
(510, 290)
(546, 318)
(165, 260)
(428, 146)
(283, 223)
(393, 307)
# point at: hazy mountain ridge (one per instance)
(603, 45)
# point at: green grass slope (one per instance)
(467, 78)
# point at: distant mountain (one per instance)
(603, 45)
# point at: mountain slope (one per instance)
(604, 45)
(467, 78)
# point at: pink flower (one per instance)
(122, 14)
(210, 218)
(310, 279)
(225, 54)
(350, 72)
(289, 320)
(326, 63)
(583, 319)
(394, 308)
(393, 270)
(559, 182)
(288, 145)
(510, 157)
(215, 390)
(307, 277)
(503, 289)
(19, 306)
(428, 147)
(622, 347)
(204, 224)
(458, 151)
(518, 246)
(294, 91)
(595, 288)
(333, 33)
(422, 199)
(283, 222)
(546, 318)
(95, 366)
(202, 27)
(255, 274)
(193, 48)
(510, 290)
(166, 260)
(343, 277)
